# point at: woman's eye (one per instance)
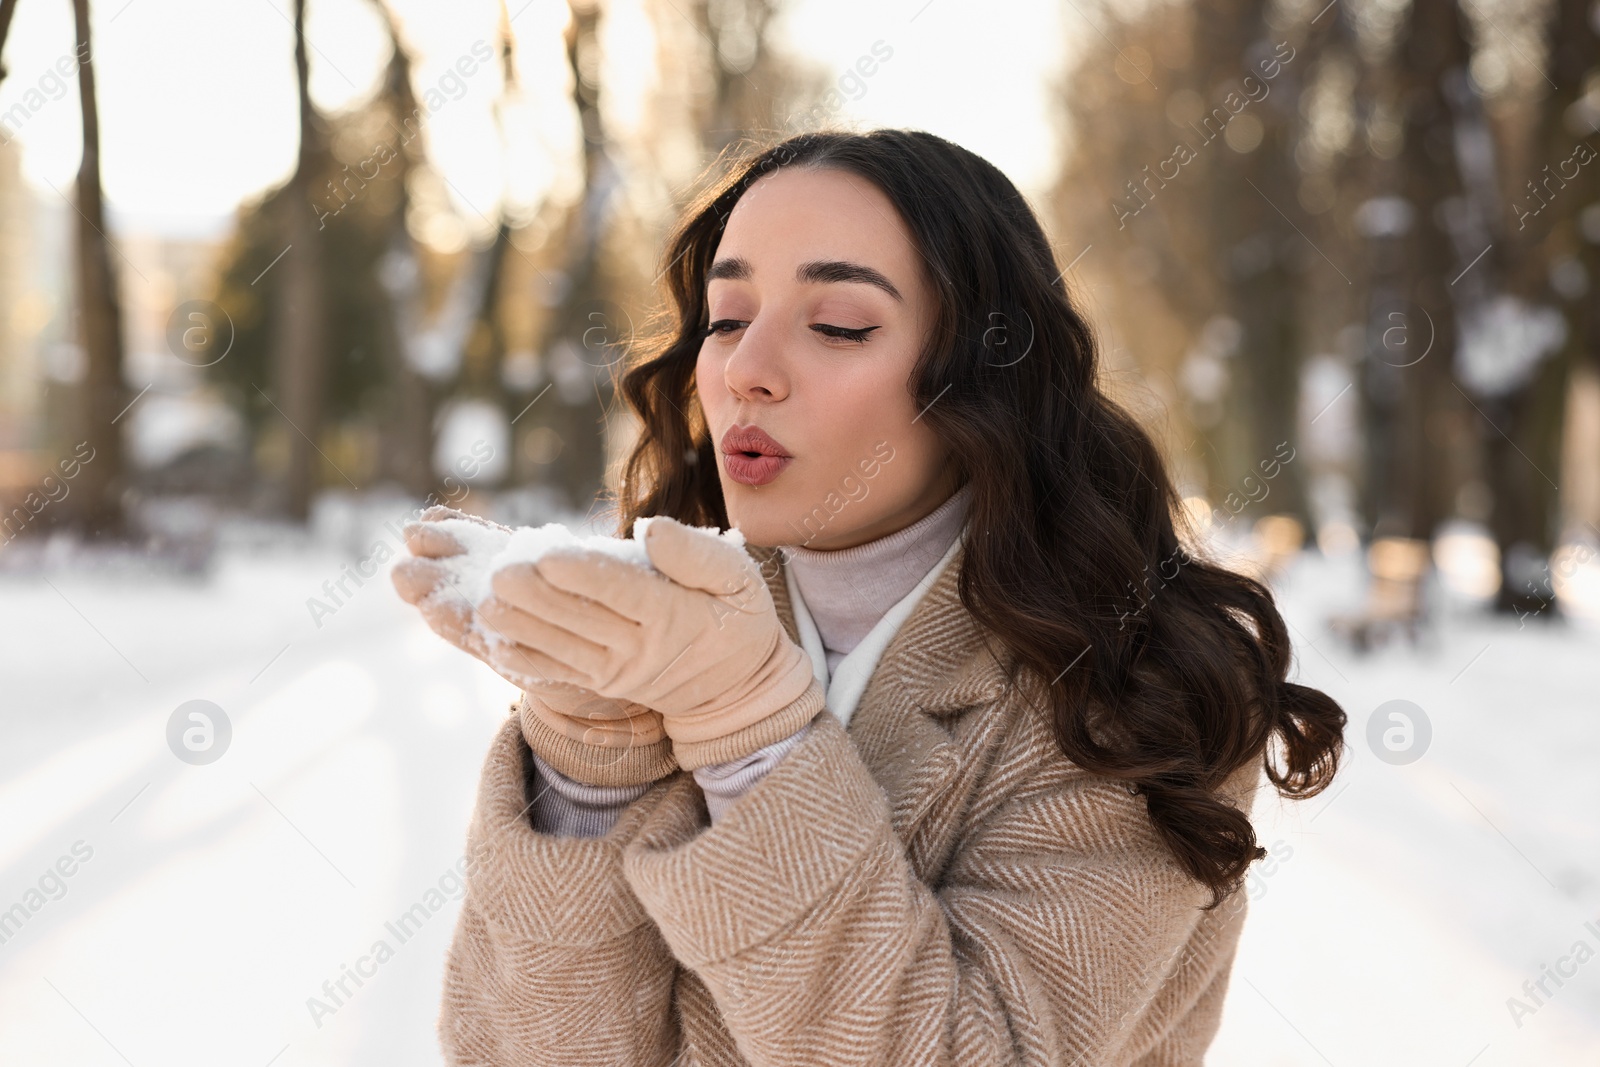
(717, 327)
(843, 333)
(724, 327)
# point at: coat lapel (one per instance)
(938, 665)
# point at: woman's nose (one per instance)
(756, 370)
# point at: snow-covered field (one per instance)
(211, 911)
(1412, 902)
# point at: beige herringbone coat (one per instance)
(936, 885)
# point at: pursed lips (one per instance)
(751, 456)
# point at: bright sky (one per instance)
(197, 101)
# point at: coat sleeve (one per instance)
(554, 960)
(1050, 938)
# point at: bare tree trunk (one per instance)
(104, 396)
(1411, 399)
(7, 9)
(486, 346)
(1523, 431)
(298, 359)
(576, 409)
(406, 436)
(405, 455)
(1261, 256)
(485, 350)
(739, 104)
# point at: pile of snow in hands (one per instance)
(488, 549)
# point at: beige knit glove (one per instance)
(594, 739)
(700, 642)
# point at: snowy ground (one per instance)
(208, 904)
(1411, 902)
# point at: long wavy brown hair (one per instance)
(1072, 514)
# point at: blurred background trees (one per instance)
(1341, 254)
(1387, 226)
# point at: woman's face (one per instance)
(819, 305)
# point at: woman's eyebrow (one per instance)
(839, 270)
(736, 268)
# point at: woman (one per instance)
(952, 764)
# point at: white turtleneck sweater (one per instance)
(848, 604)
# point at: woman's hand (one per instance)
(700, 642)
(427, 584)
(570, 710)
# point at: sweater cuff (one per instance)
(796, 835)
(569, 808)
(693, 755)
(592, 764)
(724, 783)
